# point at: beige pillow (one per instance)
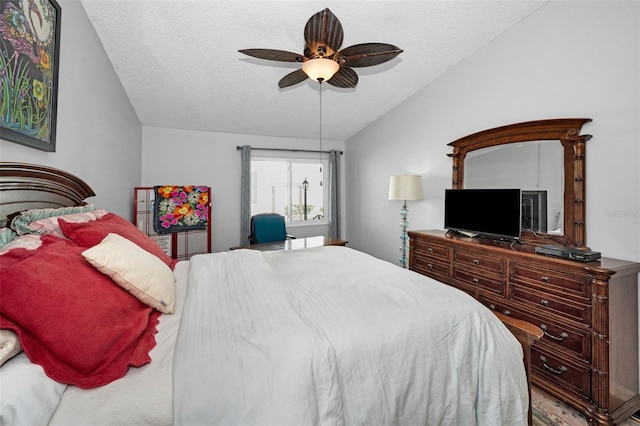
(139, 272)
(9, 345)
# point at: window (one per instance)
(278, 185)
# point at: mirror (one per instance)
(544, 158)
(534, 167)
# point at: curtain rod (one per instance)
(238, 148)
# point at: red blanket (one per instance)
(75, 322)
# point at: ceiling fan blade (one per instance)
(323, 33)
(367, 54)
(292, 78)
(345, 78)
(274, 55)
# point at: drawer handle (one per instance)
(562, 369)
(563, 335)
(544, 302)
(430, 265)
(507, 312)
(475, 281)
(430, 250)
(492, 307)
(545, 279)
(476, 261)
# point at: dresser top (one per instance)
(605, 264)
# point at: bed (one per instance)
(328, 335)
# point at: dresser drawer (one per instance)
(576, 340)
(431, 266)
(566, 285)
(431, 250)
(481, 281)
(470, 259)
(546, 302)
(573, 340)
(569, 375)
(494, 305)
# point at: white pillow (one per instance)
(142, 274)
(29, 397)
(9, 345)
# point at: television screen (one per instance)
(490, 212)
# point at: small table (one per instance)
(294, 244)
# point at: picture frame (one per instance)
(29, 58)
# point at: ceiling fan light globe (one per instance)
(320, 69)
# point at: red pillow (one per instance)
(89, 234)
(73, 320)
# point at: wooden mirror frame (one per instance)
(565, 130)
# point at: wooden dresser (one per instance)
(588, 356)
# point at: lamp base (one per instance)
(404, 213)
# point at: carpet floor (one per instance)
(548, 411)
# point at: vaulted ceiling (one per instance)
(179, 62)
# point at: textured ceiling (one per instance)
(179, 63)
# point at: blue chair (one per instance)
(268, 227)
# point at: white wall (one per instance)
(99, 136)
(568, 59)
(181, 157)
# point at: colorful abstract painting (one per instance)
(29, 52)
(180, 208)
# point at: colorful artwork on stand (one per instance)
(180, 208)
(29, 55)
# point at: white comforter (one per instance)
(334, 336)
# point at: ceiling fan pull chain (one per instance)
(320, 132)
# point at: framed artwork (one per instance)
(29, 54)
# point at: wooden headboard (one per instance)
(32, 186)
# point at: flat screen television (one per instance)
(493, 213)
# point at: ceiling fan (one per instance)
(322, 61)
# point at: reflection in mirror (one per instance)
(535, 167)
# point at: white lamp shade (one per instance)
(405, 187)
(320, 68)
